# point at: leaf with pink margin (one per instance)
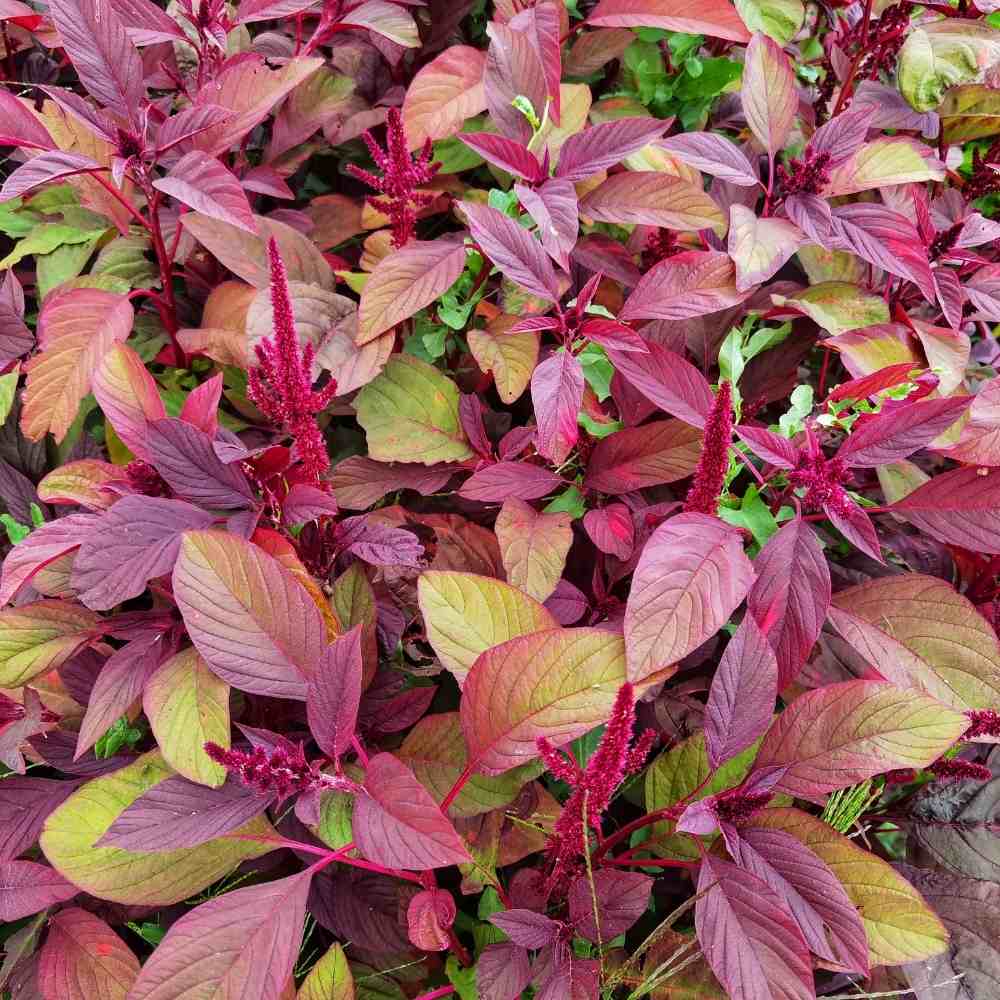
(76, 328)
(759, 247)
(201, 408)
(495, 483)
(20, 127)
(668, 380)
(898, 432)
(27, 887)
(517, 254)
(791, 595)
(201, 182)
(397, 824)
(41, 636)
(405, 281)
(83, 959)
(306, 503)
(713, 154)
(652, 198)
(638, 457)
(748, 937)
(120, 684)
(693, 283)
(335, 693)
(844, 733)
(507, 154)
(41, 547)
(443, 94)
(621, 899)
(769, 94)
(502, 971)
(184, 457)
(827, 918)
(557, 683)
(134, 542)
(601, 146)
(147, 24)
(612, 529)
(178, 813)
(43, 169)
(553, 206)
(613, 336)
(557, 395)
(99, 47)
(691, 576)
(429, 918)
(742, 697)
(128, 397)
(533, 546)
(254, 624)
(238, 946)
(689, 16)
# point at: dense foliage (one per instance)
(501, 500)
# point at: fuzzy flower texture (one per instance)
(281, 384)
(401, 176)
(710, 475)
(282, 772)
(614, 759)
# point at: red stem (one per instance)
(848, 85)
(460, 783)
(169, 314)
(441, 991)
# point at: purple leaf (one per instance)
(146, 23)
(335, 693)
(32, 723)
(379, 544)
(201, 182)
(397, 823)
(429, 918)
(184, 456)
(19, 127)
(201, 407)
(900, 431)
(134, 542)
(693, 283)
(791, 596)
(238, 946)
(307, 503)
(542, 25)
(190, 122)
(843, 135)
(495, 483)
(26, 888)
(557, 394)
(960, 507)
(359, 482)
(526, 928)
(513, 68)
(601, 146)
(690, 578)
(712, 154)
(611, 529)
(856, 526)
(517, 254)
(667, 380)
(638, 457)
(742, 696)
(42, 546)
(622, 897)
(813, 216)
(554, 207)
(502, 971)
(828, 920)
(773, 448)
(44, 168)
(613, 336)
(507, 154)
(177, 813)
(120, 683)
(102, 53)
(15, 337)
(748, 937)
(25, 803)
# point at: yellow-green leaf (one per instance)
(779, 19)
(465, 614)
(187, 707)
(883, 163)
(410, 414)
(330, 978)
(111, 873)
(900, 926)
(533, 546)
(970, 112)
(36, 638)
(511, 357)
(838, 306)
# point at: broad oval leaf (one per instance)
(690, 578)
(72, 829)
(334, 694)
(638, 457)
(201, 182)
(900, 926)
(397, 824)
(653, 198)
(601, 146)
(38, 637)
(918, 632)
(446, 92)
(693, 283)
(465, 615)
(557, 395)
(712, 154)
(128, 397)
(841, 734)
(187, 707)
(27, 887)
(688, 16)
(759, 247)
(410, 414)
(559, 684)
(256, 626)
(405, 281)
(511, 357)
(238, 946)
(533, 546)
